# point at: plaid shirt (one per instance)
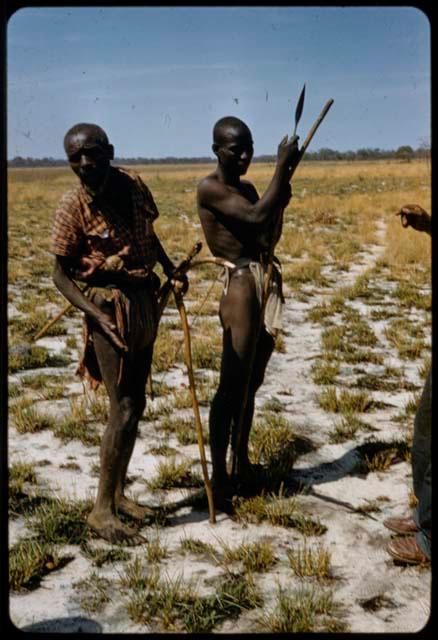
(87, 225)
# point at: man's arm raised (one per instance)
(216, 196)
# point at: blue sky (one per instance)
(157, 79)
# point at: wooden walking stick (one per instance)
(200, 437)
(270, 261)
(163, 297)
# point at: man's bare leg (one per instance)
(238, 311)
(139, 368)
(264, 349)
(116, 446)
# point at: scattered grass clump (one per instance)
(273, 405)
(277, 510)
(182, 399)
(162, 450)
(381, 458)
(324, 373)
(305, 272)
(160, 408)
(406, 337)
(321, 312)
(71, 429)
(28, 326)
(304, 610)
(100, 556)
(272, 443)
(183, 428)
(167, 350)
(53, 392)
(21, 474)
(34, 357)
(98, 406)
(410, 409)
(409, 296)
(156, 551)
(15, 389)
(37, 381)
(29, 562)
(347, 428)
(27, 418)
(60, 521)
(256, 557)
(425, 367)
(377, 383)
(346, 402)
(174, 605)
(207, 355)
(93, 592)
(196, 546)
(308, 561)
(173, 474)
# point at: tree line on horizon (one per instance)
(404, 153)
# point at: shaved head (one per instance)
(229, 126)
(85, 134)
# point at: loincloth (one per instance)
(273, 315)
(135, 313)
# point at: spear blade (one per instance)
(299, 109)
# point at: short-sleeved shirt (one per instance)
(87, 225)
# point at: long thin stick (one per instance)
(200, 437)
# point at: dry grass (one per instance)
(333, 215)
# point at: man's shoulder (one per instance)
(127, 175)
(133, 180)
(70, 199)
(206, 180)
(210, 185)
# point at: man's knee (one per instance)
(129, 412)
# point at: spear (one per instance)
(299, 109)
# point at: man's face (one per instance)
(89, 158)
(235, 150)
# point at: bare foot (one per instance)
(110, 528)
(132, 509)
(223, 496)
(249, 477)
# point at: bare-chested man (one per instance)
(103, 235)
(238, 225)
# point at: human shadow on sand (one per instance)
(75, 624)
(355, 462)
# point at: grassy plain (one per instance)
(338, 213)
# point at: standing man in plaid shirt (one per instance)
(103, 235)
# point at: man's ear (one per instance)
(215, 148)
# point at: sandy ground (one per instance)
(362, 569)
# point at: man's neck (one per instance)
(102, 188)
(231, 179)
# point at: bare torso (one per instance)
(227, 236)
